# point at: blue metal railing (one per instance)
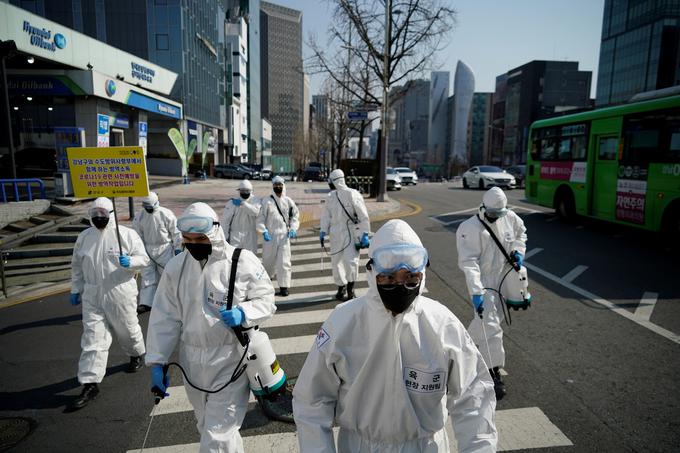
(15, 188)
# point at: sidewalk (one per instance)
(309, 197)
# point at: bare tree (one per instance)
(418, 29)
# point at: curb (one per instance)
(55, 289)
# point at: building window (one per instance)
(162, 42)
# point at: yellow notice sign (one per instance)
(118, 171)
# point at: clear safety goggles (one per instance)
(149, 205)
(195, 224)
(99, 212)
(392, 258)
(496, 212)
(390, 281)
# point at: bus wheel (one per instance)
(564, 205)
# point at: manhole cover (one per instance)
(13, 430)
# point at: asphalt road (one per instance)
(589, 366)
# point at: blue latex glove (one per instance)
(364, 240)
(322, 237)
(124, 260)
(292, 234)
(518, 257)
(478, 302)
(236, 201)
(233, 317)
(266, 236)
(75, 299)
(178, 251)
(159, 381)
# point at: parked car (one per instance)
(235, 171)
(266, 174)
(393, 179)
(519, 172)
(484, 176)
(407, 176)
(314, 174)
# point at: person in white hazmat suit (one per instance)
(103, 280)
(278, 221)
(390, 366)
(345, 218)
(239, 218)
(483, 263)
(189, 310)
(157, 226)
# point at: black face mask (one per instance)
(148, 209)
(331, 185)
(245, 195)
(489, 218)
(200, 252)
(100, 222)
(278, 190)
(398, 299)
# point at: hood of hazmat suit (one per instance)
(188, 300)
(390, 382)
(158, 230)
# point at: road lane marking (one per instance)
(605, 303)
(296, 318)
(529, 210)
(535, 431)
(574, 273)
(326, 265)
(532, 252)
(317, 255)
(644, 310)
(552, 219)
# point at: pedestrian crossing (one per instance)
(299, 315)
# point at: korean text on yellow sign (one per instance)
(118, 171)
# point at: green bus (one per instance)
(620, 164)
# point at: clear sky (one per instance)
(494, 36)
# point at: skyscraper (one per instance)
(439, 93)
(282, 79)
(463, 89)
(640, 49)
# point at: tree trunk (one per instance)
(361, 139)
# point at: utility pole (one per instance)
(382, 162)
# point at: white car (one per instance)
(407, 176)
(484, 176)
(393, 179)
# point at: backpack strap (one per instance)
(238, 330)
(280, 212)
(353, 219)
(511, 262)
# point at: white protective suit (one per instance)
(108, 293)
(483, 264)
(389, 382)
(276, 253)
(238, 222)
(186, 311)
(161, 238)
(344, 233)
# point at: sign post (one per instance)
(357, 116)
(118, 171)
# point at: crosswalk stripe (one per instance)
(312, 297)
(316, 281)
(295, 247)
(293, 345)
(326, 266)
(536, 431)
(297, 318)
(317, 255)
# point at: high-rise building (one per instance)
(478, 129)
(281, 77)
(439, 93)
(498, 121)
(640, 49)
(320, 103)
(306, 117)
(408, 139)
(463, 89)
(537, 90)
(237, 91)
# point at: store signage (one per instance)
(153, 105)
(42, 37)
(142, 72)
(110, 87)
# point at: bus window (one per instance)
(608, 148)
(579, 149)
(641, 145)
(565, 149)
(548, 149)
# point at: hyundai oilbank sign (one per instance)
(41, 37)
(110, 87)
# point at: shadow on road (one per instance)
(62, 321)
(48, 396)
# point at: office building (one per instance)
(479, 122)
(187, 37)
(533, 91)
(281, 78)
(67, 89)
(640, 49)
(463, 90)
(409, 134)
(237, 89)
(439, 93)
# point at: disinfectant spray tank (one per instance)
(515, 288)
(265, 375)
